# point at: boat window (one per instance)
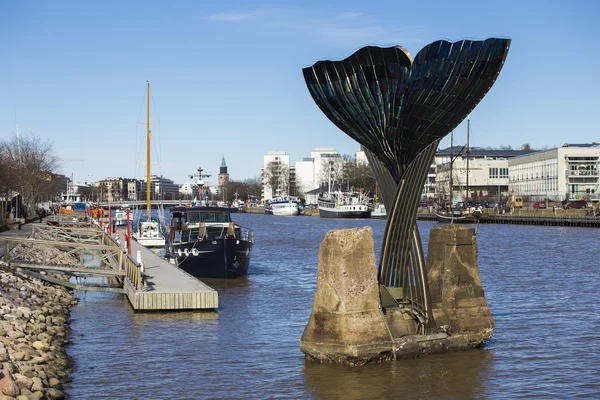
(194, 234)
(222, 217)
(185, 236)
(208, 217)
(193, 217)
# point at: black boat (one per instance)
(204, 242)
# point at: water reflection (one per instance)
(457, 375)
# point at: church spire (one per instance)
(223, 169)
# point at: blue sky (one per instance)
(226, 76)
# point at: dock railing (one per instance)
(133, 272)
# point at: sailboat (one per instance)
(149, 230)
(463, 215)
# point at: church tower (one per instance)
(223, 175)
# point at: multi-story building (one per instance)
(188, 190)
(111, 189)
(316, 171)
(567, 172)
(119, 189)
(161, 188)
(487, 177)
(275, 174)
(133, 189)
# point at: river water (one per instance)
(540, 282)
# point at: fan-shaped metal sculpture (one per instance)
(399, 109)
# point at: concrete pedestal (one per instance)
(347, 324)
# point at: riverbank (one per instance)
(33, 333)
(33, 329)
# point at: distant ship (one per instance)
(284, 206)
(343, 205)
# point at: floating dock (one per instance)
(168, 287)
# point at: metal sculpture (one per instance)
(399, 109)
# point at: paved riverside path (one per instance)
(169, 287)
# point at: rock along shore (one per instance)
(33, 329)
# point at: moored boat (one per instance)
(460, 216)
(268, 209)
(206, 243)
(284, 206)
(379, 211)
(343, 205)
(121, 217)
(149, 230)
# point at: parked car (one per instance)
(576, 204)
(539, 204)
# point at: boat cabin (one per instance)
(191, 224)
(181, 216)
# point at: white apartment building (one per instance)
(312, 172)
(278, 163)
(570, 171)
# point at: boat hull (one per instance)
(220, 258)
(455, 219)
(379, 215)
(285, 211)
(333, 213)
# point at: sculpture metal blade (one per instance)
(399, 109)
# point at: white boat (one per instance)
(149, 233)
(284, 206)
(343, 205)
(379, 211)
(149, 230)
(121, 217)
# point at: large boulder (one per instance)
(346, 324)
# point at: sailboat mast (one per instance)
(148, 209)
(468, 153)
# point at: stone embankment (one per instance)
(33, 330)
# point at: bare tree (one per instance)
(8, 184)
(359, 176)
(332, 172)
(277, 178)
(33, 162)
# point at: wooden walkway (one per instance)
(168, 287)
(160, 287)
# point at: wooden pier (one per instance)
(526, 219)
(160, 286)
(168, 287)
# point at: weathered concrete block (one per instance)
(346, 324)
(456, 292)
